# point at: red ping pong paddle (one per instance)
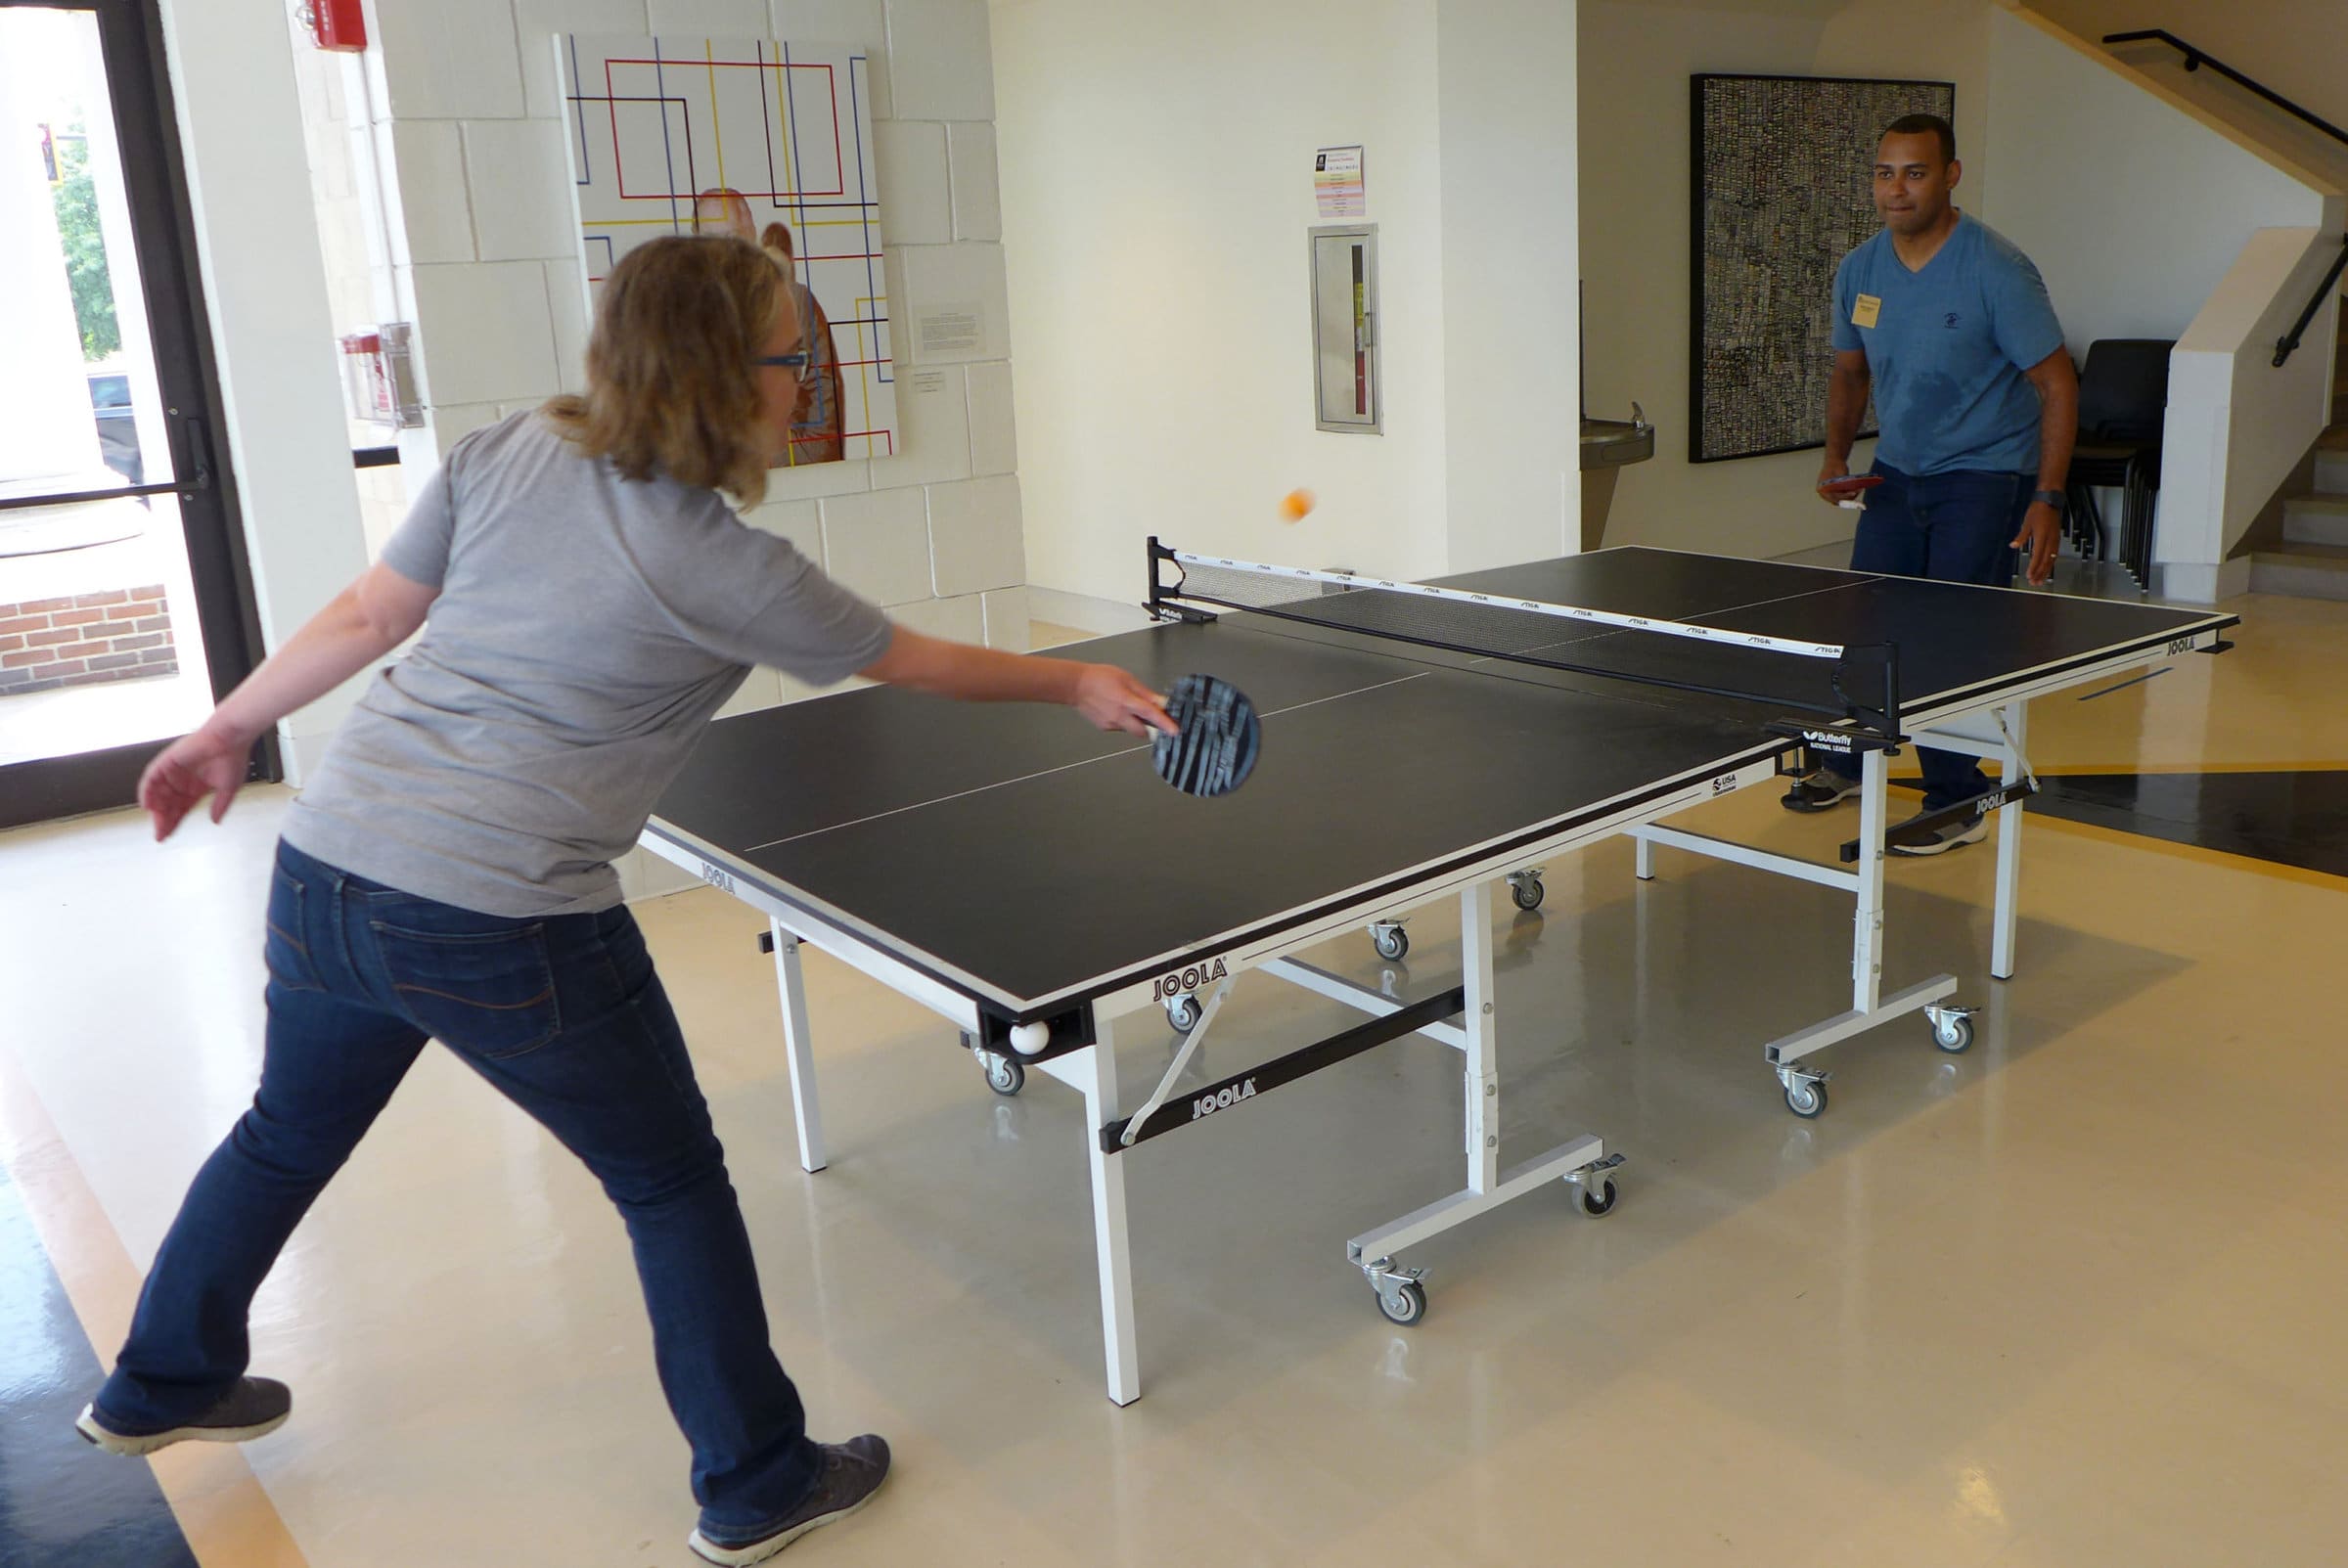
(1850, 484)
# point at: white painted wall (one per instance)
(240, 124)
(2238, 424)
(1636, 57)
(2116, 165)
(1507, 91)
(2120, 263)
(1156, 179)
(2298, 48)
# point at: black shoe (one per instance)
(255, 1407)
(852, 1472)
(1947, 837)
(1820, 789)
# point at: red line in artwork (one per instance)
(831, 88)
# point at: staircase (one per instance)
(2313, 563)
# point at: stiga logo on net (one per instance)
(1185, 981)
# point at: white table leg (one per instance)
(1867, 944)
(1110, 1241)
(1481, 1066)
(798, 1049)
(2009, 845)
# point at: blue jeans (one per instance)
(1952, 528)
(566, 1017)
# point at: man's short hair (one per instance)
(1922, 126)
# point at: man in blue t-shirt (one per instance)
(1950, 327)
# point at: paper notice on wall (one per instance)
(1337, 181)
(925, 382)
(953, 331)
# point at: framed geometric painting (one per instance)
(673, 133)
(1781, 193)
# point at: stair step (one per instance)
(2303, 572)
(2331, 472)
(2316, 519)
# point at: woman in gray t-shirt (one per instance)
(587, 602)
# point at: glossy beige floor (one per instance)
(2073, 1298)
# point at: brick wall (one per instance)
(81, 640)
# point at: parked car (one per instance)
(117, 429)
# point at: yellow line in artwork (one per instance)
(717, 118)
(783, 119)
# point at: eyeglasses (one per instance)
(801, 367)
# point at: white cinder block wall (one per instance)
(486, 264)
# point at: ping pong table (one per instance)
(1032, 881)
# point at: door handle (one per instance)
(197, 438)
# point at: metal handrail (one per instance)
(2195, 59)
(2289, 340)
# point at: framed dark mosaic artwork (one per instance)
(1781, 188)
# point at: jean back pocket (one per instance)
(487, 993)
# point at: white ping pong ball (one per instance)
(1028, 1038)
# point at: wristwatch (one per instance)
(2051, 498)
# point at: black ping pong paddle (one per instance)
(1219, 739)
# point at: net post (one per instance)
(1883, 720)
(1157, 552)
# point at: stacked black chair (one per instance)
(2123, 395)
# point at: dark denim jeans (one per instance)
(565, 1017)
(1954, 528)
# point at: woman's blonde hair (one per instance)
(671, 382)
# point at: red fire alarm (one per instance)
(336, 24)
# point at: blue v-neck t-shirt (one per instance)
(1947, 346)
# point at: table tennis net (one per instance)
(1858, 689)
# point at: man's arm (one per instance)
(379, 611)
(1846, 405)
(2058, 429)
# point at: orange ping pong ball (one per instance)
(1295, 504)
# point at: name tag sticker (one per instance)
(1864, 313)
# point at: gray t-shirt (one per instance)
(587, 627)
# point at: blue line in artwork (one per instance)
(668, 155)
(586, 174)
(864, 216)
(800, 239)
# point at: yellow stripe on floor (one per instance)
(226, 1516)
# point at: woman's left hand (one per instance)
(210, 762)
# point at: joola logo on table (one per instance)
(1188, 980)
(1222, 1099)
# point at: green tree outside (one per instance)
(76, 198)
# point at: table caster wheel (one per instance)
(1527, 892)
(1391, 941)
(1952, 1032)
(1595, 1205)
(1405, 1304)
(1004, 1075)
(1184, 1012)
(1806, 1099)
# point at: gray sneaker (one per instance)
(1819, 790)
(852, 1472)
(255, 1407)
